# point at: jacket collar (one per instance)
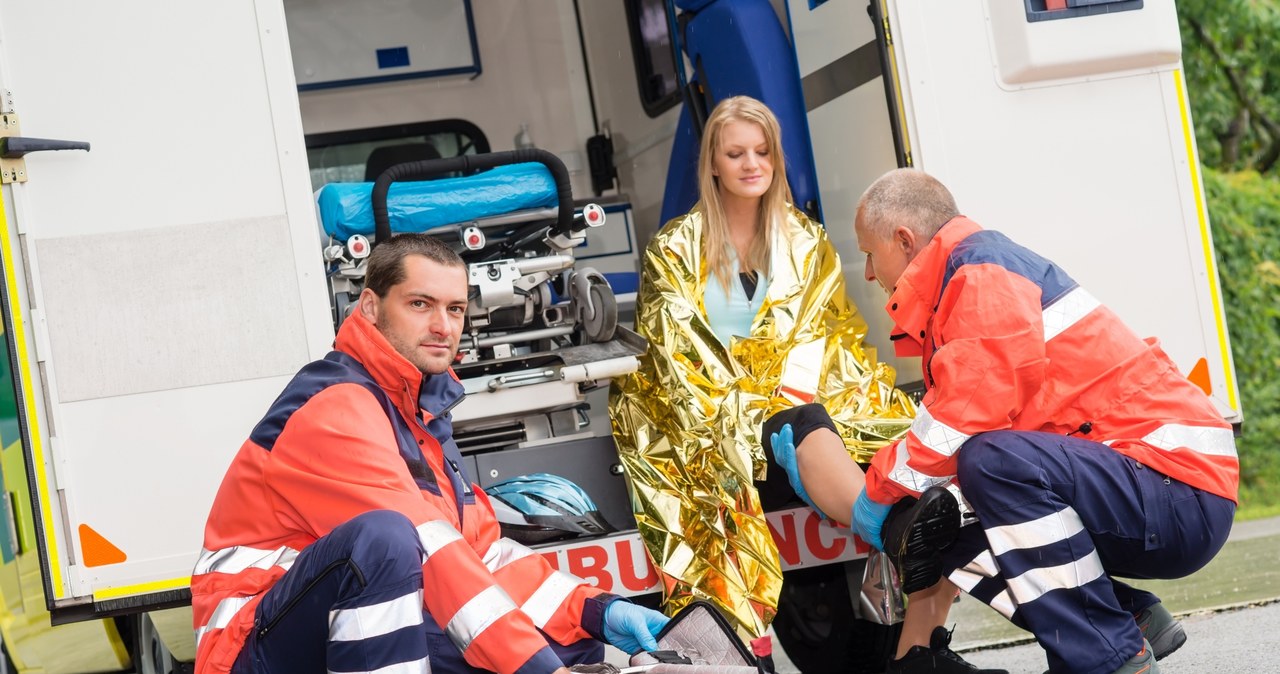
(915, 298)
(402, 380)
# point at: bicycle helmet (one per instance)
(542, 507)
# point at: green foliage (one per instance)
(1245, 210)
(1231, 59)
(1230, 53)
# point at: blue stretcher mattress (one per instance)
(416, 206)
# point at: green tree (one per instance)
(1231, 56)
(1245, 210)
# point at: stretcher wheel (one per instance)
(603, 320)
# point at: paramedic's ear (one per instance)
(905, 238)
(369, 305)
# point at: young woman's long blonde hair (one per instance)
(715, 234)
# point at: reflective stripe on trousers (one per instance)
(352, 602)
(1058, 516)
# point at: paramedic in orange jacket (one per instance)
(1082, 449)
(345, 536)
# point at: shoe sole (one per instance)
(936, 526)
(1170, 639)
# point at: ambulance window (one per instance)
(1049, 10)
(359, 155)
(652, 51)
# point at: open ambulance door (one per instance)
(1069, 130)
(847, 69)
(160, 288)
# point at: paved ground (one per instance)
(1241, 640)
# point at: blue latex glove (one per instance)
(632, 628)
(868, 518)
(784, 453)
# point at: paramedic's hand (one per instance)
(632, 628)
(867, 519)
(784, 453)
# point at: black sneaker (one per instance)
(915, 534)
(936, 657)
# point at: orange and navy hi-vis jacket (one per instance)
(1009, 341)
(363, 430)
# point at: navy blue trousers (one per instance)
(1059, 518)
(352, 602)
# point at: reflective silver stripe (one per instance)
(1049, 529)
(984, 564)
(436, 534)
(222, 615)
(477, 615)
(979, 568)
(422, 666)
(1003, 604)
(964, 579)
(910, 477)
(968, 576)
(237, 559)
(1200, 439)
(546, 600)
(503, 552)
(364, 622)
(1066, 311)
(1031, 585)
(936, 435)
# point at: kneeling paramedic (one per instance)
(1085, 454)
(345, 536)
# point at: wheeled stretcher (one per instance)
(540, 331)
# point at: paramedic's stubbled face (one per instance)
(742, 162)
(422, 316)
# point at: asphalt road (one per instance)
(1226, 642)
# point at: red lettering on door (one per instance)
(589, 562)
(627, 569)
(813, 540)
(788, 546)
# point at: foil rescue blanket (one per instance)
(687, 422)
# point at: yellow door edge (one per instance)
(142, 588)
(28, 396)
(1206, 239)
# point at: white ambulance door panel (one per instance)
(853, 144)
(1073, 136)
(163, 286)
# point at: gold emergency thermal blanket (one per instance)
(687, 422)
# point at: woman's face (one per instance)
(742, 161)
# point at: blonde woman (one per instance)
(744, 306)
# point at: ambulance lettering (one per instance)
(618, 564)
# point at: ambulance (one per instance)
(166, 271)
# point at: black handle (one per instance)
(419, 170)
(13, 147)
